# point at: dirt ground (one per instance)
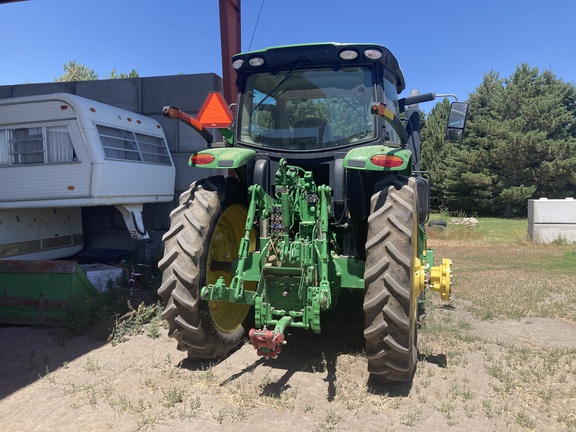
(472, 375)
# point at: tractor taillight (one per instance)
(387, 161)
(202, 159)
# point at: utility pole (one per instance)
(230, 38)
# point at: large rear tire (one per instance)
(206, 228)
(390, 302)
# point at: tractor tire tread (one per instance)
(184, 244)
(389, 306)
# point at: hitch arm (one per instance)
(259, 199)
(324, 296)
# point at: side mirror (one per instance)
(456, 122)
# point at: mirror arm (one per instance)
(447, 95)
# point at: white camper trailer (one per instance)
(61, 152)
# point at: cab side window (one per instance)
(391, 101)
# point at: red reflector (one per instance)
(387, 161)
(202, 159)
(63, 107)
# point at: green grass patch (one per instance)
(489, 231)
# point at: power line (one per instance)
(256, 25)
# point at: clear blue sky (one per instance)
(443, 46)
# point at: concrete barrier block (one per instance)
(43, 88)
(549, 233)
(551, 211)
(6, 91)
(191, 141)
(171, 130)
(186, 92)
(121, 93)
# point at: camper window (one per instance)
(153, 149)
(36, 145)
(118, 143)
(126, 145)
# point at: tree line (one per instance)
(74, 71)
(520, 144)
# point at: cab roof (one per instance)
(319, 54)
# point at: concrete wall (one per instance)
(552, 220)
(103, 226)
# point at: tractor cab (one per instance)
(313, 105)
(315, 98)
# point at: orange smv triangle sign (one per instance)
(215, 112)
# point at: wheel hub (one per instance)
(441, 279)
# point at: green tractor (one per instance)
(321, 193)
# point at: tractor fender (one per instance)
(226, 158)
(379, 158)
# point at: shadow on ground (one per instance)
(342, 333)
(29, 353)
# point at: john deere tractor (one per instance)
(321, 191)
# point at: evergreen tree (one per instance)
(521, 144)
(436, 151)
(116, 75)
(78, 72)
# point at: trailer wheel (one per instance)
(205, 233)
(390, 302)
